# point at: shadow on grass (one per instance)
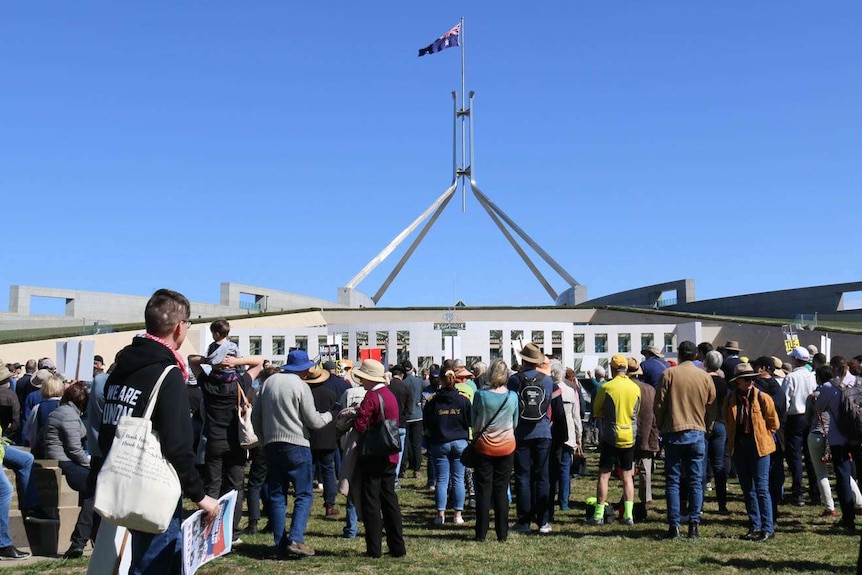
(766, 565)
(259, 552)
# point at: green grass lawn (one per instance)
(804, 543)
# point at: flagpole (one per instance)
(463, 120)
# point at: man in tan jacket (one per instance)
(684, 409)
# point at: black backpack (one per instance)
(532, 402)
(849, 418)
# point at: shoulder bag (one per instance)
(247, 437)
(469, 457)
(137, 487)
(383, 439)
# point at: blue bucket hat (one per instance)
(297, 360)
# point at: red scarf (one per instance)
(743, 406)
(181, 363)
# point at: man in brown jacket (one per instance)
(646, 444)
(684, 407)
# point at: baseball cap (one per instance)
(619, 361)
(800, 353)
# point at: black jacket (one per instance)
(221, 426)
(127, 391)
(324, 399)
(10, 412)
(447, 416)
(404, 395)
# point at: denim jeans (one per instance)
(565, 477)
(753, 473)
(159, 553)
(76, 476)
(351, 529)
(690, 455)
(447, 459)
(286, 465)
(21, 462)
(532, 480)
(6, 491)
(715, 445)
(843, 459)
(402, 434)
(325, 461)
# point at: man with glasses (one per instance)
(127, 392)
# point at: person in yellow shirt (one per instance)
(616, 407)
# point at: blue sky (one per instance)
(283, 144)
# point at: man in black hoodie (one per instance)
(127, 392)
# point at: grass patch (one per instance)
(804, 543)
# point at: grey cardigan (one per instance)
(64, 434)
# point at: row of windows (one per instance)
(624, 342)
(600, 342)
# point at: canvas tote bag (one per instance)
(137, 488)
(247, 437)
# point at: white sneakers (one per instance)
(442, 520)
(526, 530)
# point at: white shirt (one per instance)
(797, 386)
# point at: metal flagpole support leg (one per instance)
(482, 201)
(378, 259)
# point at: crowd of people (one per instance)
(493, 435)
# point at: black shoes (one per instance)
(73, 552)
(692, 531)
(672, 532)
(251, 529)
(10, 552)
(758, 536)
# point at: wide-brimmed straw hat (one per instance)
(732, 345)
(779, 368)
(369, 369)
(532, 354)
(656, 351)
(4, 373)
(317, 375)
(634, 367)
(463, 373)
(743, 370)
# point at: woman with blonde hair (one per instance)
(494, 417)
(40, 404)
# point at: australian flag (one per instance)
(447, 40)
